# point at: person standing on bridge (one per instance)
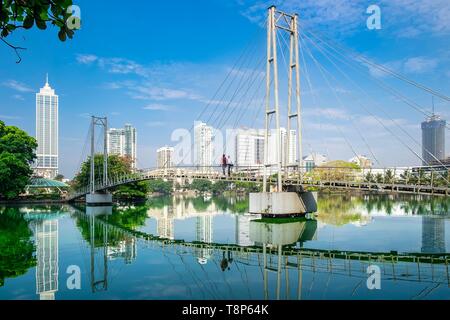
(230, 165)
(224, 163)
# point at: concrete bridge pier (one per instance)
(279, 204)
(99, 199)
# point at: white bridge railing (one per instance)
(401, 180)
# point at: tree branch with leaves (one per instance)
(24, 14)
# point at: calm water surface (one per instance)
(197, 248)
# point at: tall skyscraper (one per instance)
(46, 234)
(123, 142)
(47, 132)
(165, 157)
(203, 146)
(433, 139)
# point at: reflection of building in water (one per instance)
(164, 223)
(125, 249)
(433, 234)
(204, 233)
(47, 258)
(243, 229)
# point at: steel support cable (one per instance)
(315, 99)
(83, 152)
(313, 93)
(349, 118)
(250, 84)
(240, 116)
(381, 83)
(237, 90)
(247, 74)
(230, 72)
(360, 57)
(364, 92)
(233, 71)
(326, 111)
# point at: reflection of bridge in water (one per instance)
(277, 250)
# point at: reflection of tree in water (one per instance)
(337, 209)
(200, 204)
(159, 202)
(235, 204)
(409, 204)
(17, 250)
(124, 217)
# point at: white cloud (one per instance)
(16, 85)
(7, 117)
(420, 65)
(86, 58)
(149, 92)
(407, 18)
(157, 107)
(330, 113)
(18, 97)
(155, 124)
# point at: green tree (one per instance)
(17, 151)
(389, 176)
(201, 185)
(24, 14)
(117, 167)
(59, 177)
(160, 186)
(219, 187)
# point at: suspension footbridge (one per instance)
(307, 55)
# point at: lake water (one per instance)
(197, 248)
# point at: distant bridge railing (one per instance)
(397, 180)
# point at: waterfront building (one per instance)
(47, 131)
(123, 142)
(203, 147)
(433, 139)
(165, 157)
(314, 160)
(249, 147)
(361, 161)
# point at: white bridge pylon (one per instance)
(94, 197)
(281, 202)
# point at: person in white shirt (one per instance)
(230, 165)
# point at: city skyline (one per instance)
(147, 87)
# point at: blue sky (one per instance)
(157, 64)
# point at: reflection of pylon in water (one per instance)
(102, 283)
(278, 270)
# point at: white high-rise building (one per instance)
(47, 132)
(165, 157)
(123, 142)
(203, 146)
(273, 145)
(249, 147)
